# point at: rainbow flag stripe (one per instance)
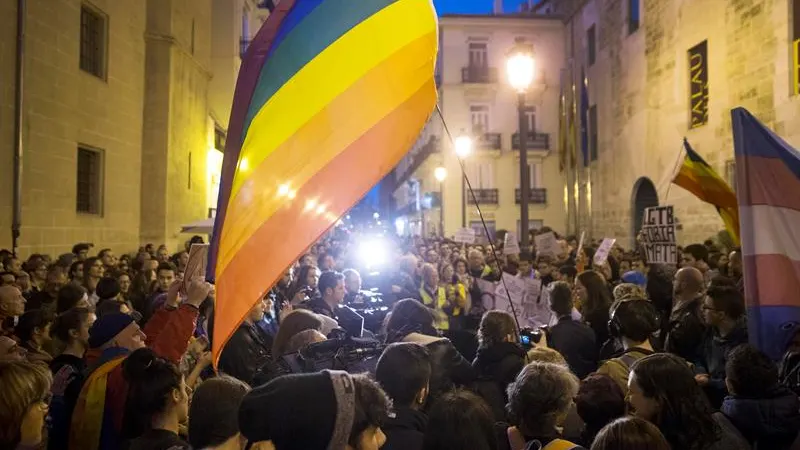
(331, 94)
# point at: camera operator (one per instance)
(331, 289)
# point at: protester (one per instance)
(248, 348)
(630, 433)
(33, 331)
(12, 305)
(294, 323)
(686, 329)
(598, 403)
(24, 400)
(404, 373)
(574, 340)
(214, 414)
(595, 300)
(460, 419)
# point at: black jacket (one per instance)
(767, 423)
(496, 367)
(405, 429)
(685, 331)
(246, 351)
(713, 353)
(450, 369)
(576, 342)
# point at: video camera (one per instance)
(529, 337)
(354, 355)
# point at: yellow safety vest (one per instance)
(441, 320)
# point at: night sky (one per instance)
(472, 6)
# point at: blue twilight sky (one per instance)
(472, 6)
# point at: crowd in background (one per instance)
(101, 352)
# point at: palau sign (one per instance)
(698, 85)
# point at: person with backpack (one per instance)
(499, 359)
(632, 322)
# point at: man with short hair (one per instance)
(695, 255)
(435, 298)
(214, 414)
(12, 304)
(404, 372)
(8, 279)
(576, 341)
(632, 322)
(248, 348)
(723, 312)
(352, 286)
(108, 258)
(331, 289)
(685, 329)
(325, 262)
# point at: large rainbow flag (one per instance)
(768, 184)
(331, 94)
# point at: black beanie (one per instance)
(301, 412)
(107, 288)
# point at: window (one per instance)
(93, 41)
(530, 118)
(593, 133)
(478, 54)
(480, 118)
(633, 16)
(480, 174)
(480, 232)
(590, 43)
(89, 181)
(534, 175)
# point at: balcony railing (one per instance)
(478, 74)
(536, 196)
(489, 141)
(243, 44)
(434, 145)
(535, 141)
(484, 197)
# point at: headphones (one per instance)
(615, 328)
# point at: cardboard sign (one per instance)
(510, 244)
(659, 235)
(546, 244)
(196, 267)
(515, 292)
(580, 244)
(601, 255)
(465, 236)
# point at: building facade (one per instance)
(658, 71)
(476, 100)
(118, 136)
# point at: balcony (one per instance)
(484, 197)
(431, 200)
(536, 196)
(535, 141)
(488, 141)
(243, 44)
(478, 74)
(434, 145)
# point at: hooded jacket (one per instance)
(405, 429)
(497, 366)
(770, 423)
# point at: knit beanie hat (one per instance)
(106, 327)
(301, 411)
(107, 288)
(634, 277)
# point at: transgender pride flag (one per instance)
(768, 189)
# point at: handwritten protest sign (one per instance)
(510, 244)
(515, 292)
(601, 255)
(546, 244)
(659, 236)
(196, 266)
(465, 236)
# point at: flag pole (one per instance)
(674, 169)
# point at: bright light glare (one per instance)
(283, 189)
(520, 68)
(376, 216)
(400, 225)
(440, 173)
(373, 252)
(463, 146)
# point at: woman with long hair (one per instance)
(294, 322)
(499, 360)
(595, 301)
(411, 321)
(93, 270)
(460, 420)
(158, 402)
(24, 401)
(662, 390)
(305, 284)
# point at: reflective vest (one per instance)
(441, 320)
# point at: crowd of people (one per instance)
(99, 352)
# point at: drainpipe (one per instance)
(16, 223)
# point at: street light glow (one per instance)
(521, 68)
(463, 146)
(440, 173)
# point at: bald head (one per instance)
(735, 264)
(688, 283)
(12, 303)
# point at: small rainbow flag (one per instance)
(331, 94)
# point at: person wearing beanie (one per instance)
(635, 277)
(214, 414)
(328, 410)
(99, 415)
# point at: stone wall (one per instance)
(640, 84)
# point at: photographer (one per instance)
(573, 339)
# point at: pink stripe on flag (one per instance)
(772, 279)
(772, 231)
(771, 182)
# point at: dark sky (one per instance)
(472, 6)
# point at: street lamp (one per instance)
(520, 68)
(463, 149)
(440, 173)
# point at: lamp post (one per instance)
(520, 68)
(463, 149)
(440, 173)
